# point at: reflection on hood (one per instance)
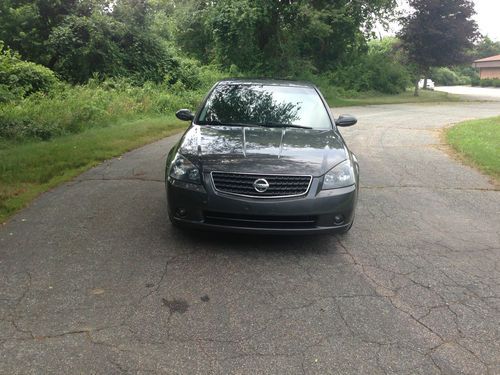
(263, 150)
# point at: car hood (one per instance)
(263, 150)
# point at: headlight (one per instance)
(182, 169)
(340, 176)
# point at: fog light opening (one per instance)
(338, 219)
(180, 212)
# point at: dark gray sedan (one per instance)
(263, 156)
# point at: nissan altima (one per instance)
(263, 156)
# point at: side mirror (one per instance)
(184, 115)
(346, 120)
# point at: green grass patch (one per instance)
(29, 168)
(478, 141)
(336, 99)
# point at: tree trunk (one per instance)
(416, 87)
(425, 82)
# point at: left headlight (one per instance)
(340, 176)
(183, 170)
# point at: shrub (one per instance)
(450, 77)
(375, 72)
(490, 82)
(20, 78)
(98, 44)
(475, 81)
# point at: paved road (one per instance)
(474, 93)
(94, 280)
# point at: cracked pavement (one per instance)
(94, 280)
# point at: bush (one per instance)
(490, 82)
(373, 72)
(475, 81)
(449, 77)
(20, 78)
(98, 44)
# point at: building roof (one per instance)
(491, 58)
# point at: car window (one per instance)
(265, 105)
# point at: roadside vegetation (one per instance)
(488, 82)
(29, 168)
(478, 142)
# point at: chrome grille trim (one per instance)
(263, 175)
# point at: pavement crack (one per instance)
(389, 294)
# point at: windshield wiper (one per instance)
(279, 125)
(267, 124)
(220, 123)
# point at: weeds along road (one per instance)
(93, 279)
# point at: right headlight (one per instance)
(182, 169)
(340, 176)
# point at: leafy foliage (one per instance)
(25, 25)
(276, 37)
(485, 48)
(488, 82)
(449, 77)
(140, 39)
(84, 46)
(20, 78)
(381, 69)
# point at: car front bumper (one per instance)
(200, 206)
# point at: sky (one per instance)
(487, 18)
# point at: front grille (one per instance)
(260, 221)
(279, 185)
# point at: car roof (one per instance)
(266, 81)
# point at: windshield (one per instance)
(265, 105)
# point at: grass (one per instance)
(370, 98)
(478, 142)
(28, 169)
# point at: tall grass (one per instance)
(72, 109)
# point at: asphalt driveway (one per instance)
(473, 93)
(93, 279)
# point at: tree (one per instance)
(277, 37)
(486, 48)
(438, 33)
(25, 25)
(99, 44)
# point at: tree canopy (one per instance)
(78, 38)
(168, 40)
(275, 35)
